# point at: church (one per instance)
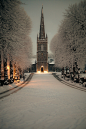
(42, 48)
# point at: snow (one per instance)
(45, 103)
(10, 86)
(83, 75)
(33, 60)
(69, 81)
(52, 62)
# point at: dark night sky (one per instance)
(53, 14)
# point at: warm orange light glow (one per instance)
(38, 71)
(8, 71)
(45, 71)
(7, 67)
(18, 81)
(42, 72)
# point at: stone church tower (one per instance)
(42, 48)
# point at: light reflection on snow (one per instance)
(10, 85)
(39, 72)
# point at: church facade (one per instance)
(42, 48)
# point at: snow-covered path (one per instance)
(45, 103)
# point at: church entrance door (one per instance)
(42, 69)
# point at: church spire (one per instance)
(42, 8)
(42, 30)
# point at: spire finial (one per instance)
(42, 30)
(42, 8)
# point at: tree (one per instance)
(15, 27)
(71, 37)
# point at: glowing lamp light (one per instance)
(38, 71)
(7, 67)
(45, 72)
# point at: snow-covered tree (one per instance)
(15, 42)
(15, 27)
(53, 44)
(71, 37)
(76, 31)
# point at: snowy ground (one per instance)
(45, 103)
(10, 86)
(69, 81)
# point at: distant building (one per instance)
(33, 65)
(51, 64)
(42, 48)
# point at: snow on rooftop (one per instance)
(52, 62)
(33, 60)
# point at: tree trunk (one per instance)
(1, 68)
(14, 70)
